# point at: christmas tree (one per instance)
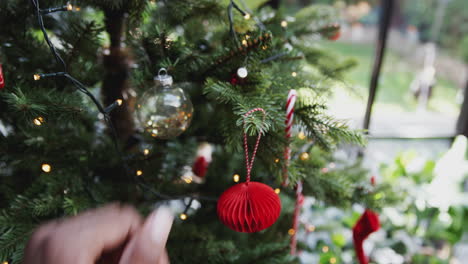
(82, 122)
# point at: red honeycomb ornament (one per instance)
(249, 207)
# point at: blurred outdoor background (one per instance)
(413, 130)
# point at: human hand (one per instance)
(112, 234)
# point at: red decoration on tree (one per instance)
(2, 80)
(200, 167)
(367, 224)
(335, 36)
(249, 206)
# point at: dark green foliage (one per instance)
(192, 40)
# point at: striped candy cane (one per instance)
(289, 122)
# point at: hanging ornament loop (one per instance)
(249, 161)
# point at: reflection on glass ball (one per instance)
(165, 111)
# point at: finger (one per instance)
(84, 238)
(164, 259)
(33, 250)
(147, 246)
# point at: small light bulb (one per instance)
(304, 156)
(277, 190)
(244, 42)
(119, 101)
(77, 8)
(38, 120)
(277, 160)
(332, 260)
(311, 228)
(291, 231)
(5, 262)
(294, 74)
(46, 167)
(301, 135)
(146, 152)
(139, 172)
(247, 36)
(69, 6)
(325, 249)
(242, 72)
(284, 23)
(183, 216)
(264, 47)
(247, 16)
(188, 179)
(236, 177)
(36, 77)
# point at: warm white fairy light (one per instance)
(139, 172)
(301, 135)
(46, 167)
(38, 120)
(304, 156)
(294, 74)
(244, 42)
(236, 177)
(277, 160)
(291, 231)
(325, 249)
(277, 190)
(332, 260)
(146, 152)
(119, 102)
(183, 216)
(284, 23)
(37, 77)
(69, 6)
(247, 16)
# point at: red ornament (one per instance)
(249, 207)
(200, 167)
(335, 36)
(2, 80)
(372, 180)
(367, 224)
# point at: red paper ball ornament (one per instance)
(249, 207)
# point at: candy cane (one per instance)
(289, 122)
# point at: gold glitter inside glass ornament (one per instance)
(165, 111)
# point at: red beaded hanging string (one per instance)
(249, 162)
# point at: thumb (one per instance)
(148, 245)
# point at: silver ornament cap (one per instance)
(163, 79)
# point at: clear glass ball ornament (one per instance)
(165, 111)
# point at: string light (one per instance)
(332, 260)
(188, 179)
(247, 16)
(37, 77)
(183, 216)
(325, 249)
(311, 228)
(244, 42)
(277, 160)
(139, 172)
(294, 74)
(46, 168)
(146, 152)
(247, 36)
(264, 47)
(304, 156)
(38, 120)
(236, 177)
(5, 262)
(291, 232)
(301, 135)
(69, 6)
(284, 23)
(277, 190)
(119, 102)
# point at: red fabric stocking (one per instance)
(366, 225)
